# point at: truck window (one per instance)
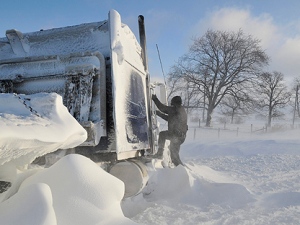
(136, 124)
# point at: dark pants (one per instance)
(175, 143)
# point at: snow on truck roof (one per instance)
(57, 41)
(87, 37)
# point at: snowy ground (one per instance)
(253, 179)
(231, 178)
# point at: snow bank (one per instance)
(33, 125)
(172, 193)
(73, 191)
(32, 205)
(198, 186)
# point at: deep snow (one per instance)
(228, 179)
(33, 125)
(72, 191)
(245, 181)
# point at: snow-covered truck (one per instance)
(100, 70)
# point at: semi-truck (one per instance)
(101, 72)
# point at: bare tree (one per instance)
(175, 83)
(295, 96)
(178, 85)
(220, 63)
(272, 94)
(236, 105)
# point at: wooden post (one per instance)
(295, 106)
(219, 133)
(194, 133)
(237, 131)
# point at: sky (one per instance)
(172, 24)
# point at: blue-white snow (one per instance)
(244, 181)
(249, 179)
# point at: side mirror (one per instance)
(163, 94)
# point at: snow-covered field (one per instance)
(246, 180)
(229, 178)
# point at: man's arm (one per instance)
(162, 115)
(163, 108)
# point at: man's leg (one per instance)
(163, 135)
(174, 150)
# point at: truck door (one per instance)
(129, 90)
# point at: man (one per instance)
(177, 127)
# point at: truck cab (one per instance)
(100, 71)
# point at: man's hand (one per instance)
(154, 97)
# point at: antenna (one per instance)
(162, 69)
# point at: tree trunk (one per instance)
(232, 115)
(208, 118)
(204, 102)
(269, 117)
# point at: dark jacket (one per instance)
(175, 115)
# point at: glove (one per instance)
(154, 97)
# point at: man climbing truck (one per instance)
(101, 72)
(176, 117)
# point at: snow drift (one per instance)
(31, 205)
(33, 125)
(73, 191)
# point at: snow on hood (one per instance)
(33, 125)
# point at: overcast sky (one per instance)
(171, 24)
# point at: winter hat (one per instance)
(176, 101)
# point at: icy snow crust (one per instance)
(33, 125)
